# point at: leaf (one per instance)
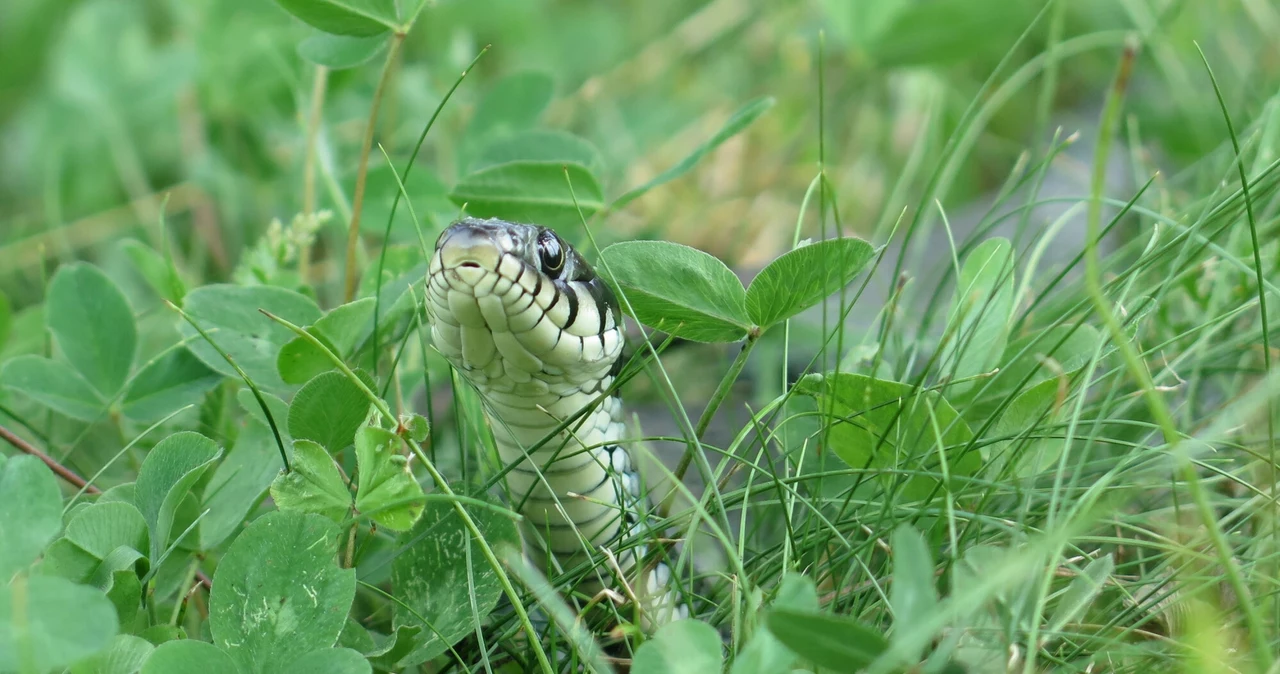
(337, 52)
(330, 661)
(837, 642)
(158, 271)
(385, 481)
(48, 622)
(678, 289)
(124, 591)
(231, 316)
(913, 595)
(803, 277)
(239, 482)
(764, 654)
(279, 411)
(278, 593)
(30, 512)
(531, 191)
(431, 576)
(945, 31)
(166, 476)
(361, 18)
(885, 424)
(680, 647)
(168, 384)
(328, 409)
(314, 484)
(736, 123)
(104, 528)
(185, 656)
(341, 330)
(1080, 593)
(1051, 353)
(978, 325)
(93, 325)
(514, 103)
(541, 145)
(53, 384)
(6, 319)
(862, 22)
(125, 655)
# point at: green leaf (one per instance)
(166, 477)
(678, 289)
(168, 384)
(386, 486)
(231, 316)
(514, 103)
(48, 622)
(328, 409)
(945, 31)
(278, 594)
(159, 634)
(239, 482)
(885, 424)
(1049, 354)
(158, 272)
(1081, 592)
(124, 591)
(103, 528)
(837, 642)
(341, 330)
(541, 145)
(53, 384)
(739, 121)
(803, 277)
(862, 23)
(680, 647)
(978, 325)
(185, 656)
(6, 319)
(337, 52)
(314, 484)
(279, 411)
(125, 655)
(361, 18)
(93, 325)
(431, 576)
(531, 191)
(330, 661)
(30, 512)
(913, 596)
(764, 654)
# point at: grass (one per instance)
(1050, 444)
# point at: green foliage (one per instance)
(934, 451)
(681, 647)
(29, 513)
(278, 594)
(443, 580)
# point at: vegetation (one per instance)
(998, 393)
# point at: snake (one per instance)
(522, 317)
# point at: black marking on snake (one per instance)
(571, 296)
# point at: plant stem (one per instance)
(362, 173)
(60, 470)
(1155, 403)
(717, 398)
(318, 87)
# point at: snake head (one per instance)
(511, 302)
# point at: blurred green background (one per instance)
(107, 108)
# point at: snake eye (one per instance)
(550, 253)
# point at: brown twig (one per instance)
(59, 469)
(70, 476)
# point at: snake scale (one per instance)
(523, 318)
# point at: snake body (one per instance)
(526, 320)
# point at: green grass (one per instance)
(1031, 427)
